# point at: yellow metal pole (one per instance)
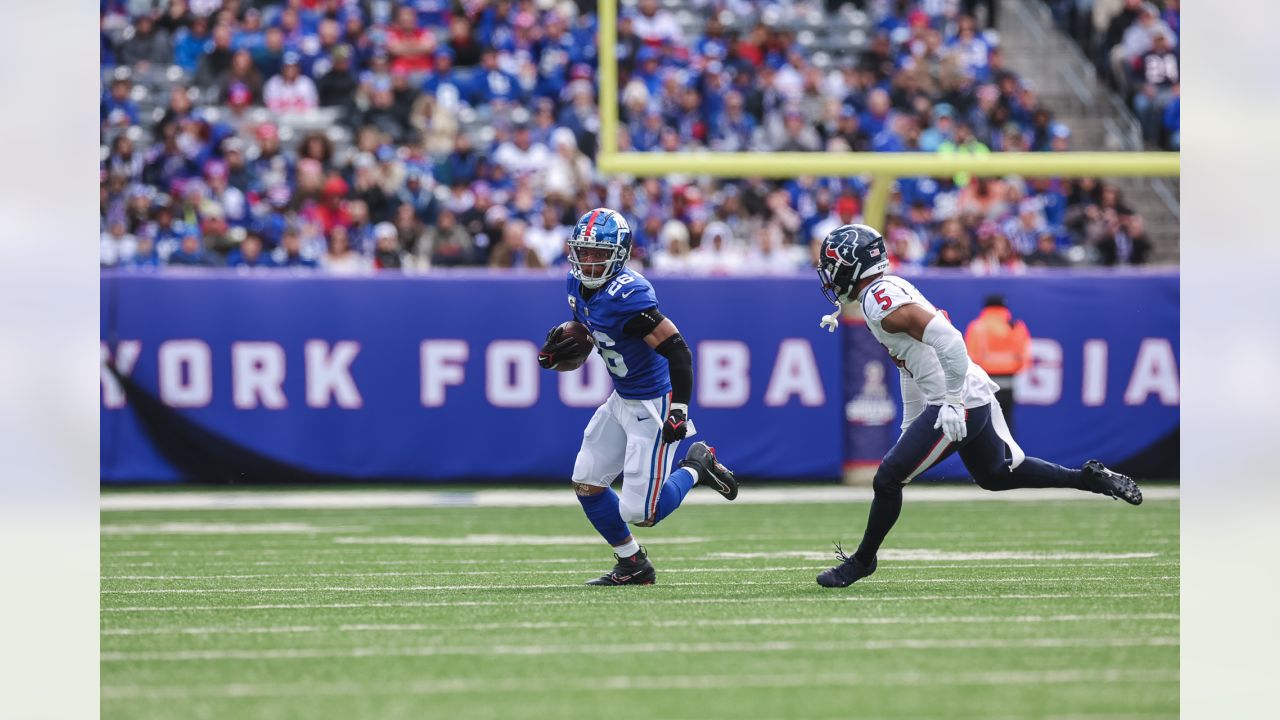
(877, 204)
(792, 164)
(607, 95)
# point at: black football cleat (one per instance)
(709, 471)
(634, 570)
(847, 572)
(1111, 483)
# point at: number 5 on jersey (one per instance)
(885, 301)
(617, 365)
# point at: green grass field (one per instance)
(979, 609)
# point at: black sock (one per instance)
(885, 508)
(1037, 473)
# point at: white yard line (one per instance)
(631, 649)
(553, 586)
(582, 566)
(581, 562)
(640, 682)
(923, 554)
(585, 568)
(616, 599)
(224, 528)
(492, 539)
(686, 622)
(285, 546)
(360, 499)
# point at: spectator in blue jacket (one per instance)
(190, 44)
(250, 254)
(117, 109)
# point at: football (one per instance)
(583, 346)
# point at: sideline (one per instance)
(369, 499)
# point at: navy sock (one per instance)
(673, 492)
(885, 508)
(602, 511)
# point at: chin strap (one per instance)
(830, 322)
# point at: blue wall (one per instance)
(442, 382)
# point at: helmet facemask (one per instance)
(838, 287)
(595, 263)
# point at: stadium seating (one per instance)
(488, 186)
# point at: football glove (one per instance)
(676, 426)
(555, 348)
(951, 419)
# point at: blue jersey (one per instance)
(639, 372)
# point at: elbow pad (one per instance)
(680, 365)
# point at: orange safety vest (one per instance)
(998, 343)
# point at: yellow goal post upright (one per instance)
(883, 168)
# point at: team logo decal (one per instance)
(834, 255)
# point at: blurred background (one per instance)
(437, 153)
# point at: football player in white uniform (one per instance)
(949, 403)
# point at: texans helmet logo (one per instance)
(831, 253)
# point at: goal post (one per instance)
(883, 168)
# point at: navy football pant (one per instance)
(986, 455)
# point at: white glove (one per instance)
(951, 420)
(831, 322)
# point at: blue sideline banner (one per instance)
(436, 378)
(1104, 380)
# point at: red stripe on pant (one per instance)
(925, 463)
(659, 474)
(659, 478)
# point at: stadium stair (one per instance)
(1098, 118)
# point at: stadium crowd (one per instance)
(355, 136)
(1134, 45)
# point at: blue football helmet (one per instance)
(849, 253)
(600, 247)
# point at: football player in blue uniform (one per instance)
(948, 402)
(636, 431)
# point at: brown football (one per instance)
(584, 344)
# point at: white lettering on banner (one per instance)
(257, 373)
(723, 381)
(588, 386)
(795, 373)
(186, 373)
(1094, 390)
(1155, 371)
(329, 374)
(127, 352)
(1041, 383)
(442, 365)
(511, 373)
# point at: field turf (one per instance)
(980, 609)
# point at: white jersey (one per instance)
(923, 381)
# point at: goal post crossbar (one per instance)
(883, 168)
